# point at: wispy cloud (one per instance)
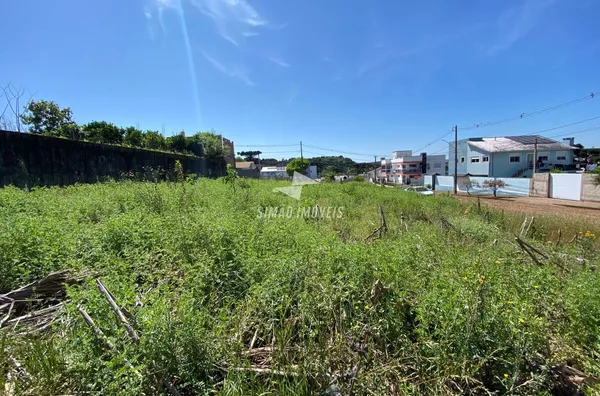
(279, 61)
(516, 22)
(250, 34)
(232, 18)
(238, 72)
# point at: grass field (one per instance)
(227, 301)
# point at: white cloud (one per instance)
(516, 22)
(231, 17)
(238, 72)
(250, 34)
(279, 62)
(147, 13)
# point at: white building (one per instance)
(273, 172)
(406, 168)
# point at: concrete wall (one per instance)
(249, 173)
(33, 160)
(590, 190)
(540, 184)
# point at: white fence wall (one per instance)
(566, 186)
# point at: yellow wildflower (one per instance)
(481, 280)
(497, 261)
(521, 320)
(505, 375)
(366, 307)
(356, 307)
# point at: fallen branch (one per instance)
(34, 315)
(118, 311)
(100, 335)
(524, 248)
(263, 370)
(378, 230)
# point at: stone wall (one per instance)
(33, 160)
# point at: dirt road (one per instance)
(588, 211)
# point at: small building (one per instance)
(510, 156)
(273, 172)
(245, 165)
(406, 168)
(311, 172)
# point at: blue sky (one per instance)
(358, 76)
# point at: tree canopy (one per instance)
(44, 116)
(296, 165)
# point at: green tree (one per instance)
(45, 117)
(296, 165)
(176, 143)
(69, 130)
(103, 132)
(153, 140)
(133, 137)
(212, 145)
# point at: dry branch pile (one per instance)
(35, 305)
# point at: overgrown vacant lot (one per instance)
(444, 302)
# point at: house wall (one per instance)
(436, 160)
(502, 167)
(465, 151)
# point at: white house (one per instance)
(273, 172)
(405, 168)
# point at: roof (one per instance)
(517, 143)
(273, 169)
(244, 165)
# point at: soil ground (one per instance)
(589, 211)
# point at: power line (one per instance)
(567, 125)
(576, 132)
(434, 141)
(534, 113)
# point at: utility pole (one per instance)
(534, 155)
(455, 159)
(301, 156)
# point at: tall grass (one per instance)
(462, 309)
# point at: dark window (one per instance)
(516, 158)
(485, 158)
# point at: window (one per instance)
(462, 160)
(515, 158)
(475, 159)
(428, 166)
(437, 165)
(561, 155)
(543, 158)
(485, 158)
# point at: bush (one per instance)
(359, 178)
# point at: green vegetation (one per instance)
(296, 165)
(442, 303)
(47, 118)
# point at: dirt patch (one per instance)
(587, 211)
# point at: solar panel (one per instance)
(530, 139)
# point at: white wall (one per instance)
(566, 186)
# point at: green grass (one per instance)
(463, 309)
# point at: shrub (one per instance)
(359, 178)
